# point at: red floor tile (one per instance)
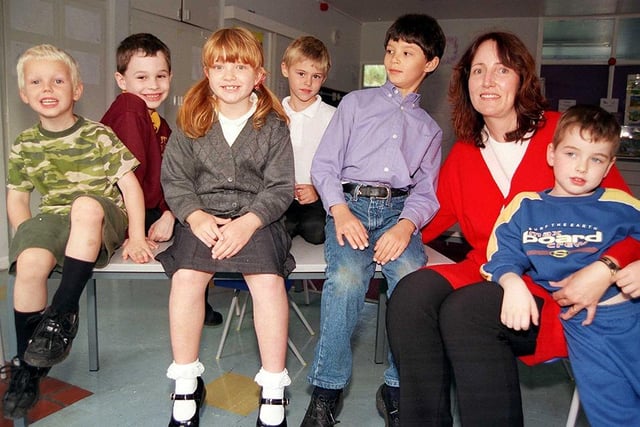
(54, 395)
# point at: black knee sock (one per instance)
(75, 274)
(25, 325)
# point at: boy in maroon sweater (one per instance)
(144, 74)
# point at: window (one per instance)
(373, 75)
(628, 46)
(586, 59)
(578, 39)
(591, 39)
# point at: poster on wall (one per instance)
(629, 143)
(632, 105)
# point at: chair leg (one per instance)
(306, 284)
(301, 316)
(227, 323)
(92, 325)
(575, 399)
(242, 311)
(235, 304)
(381, 330)
(573, 410)
(3, 359)
(295, 351)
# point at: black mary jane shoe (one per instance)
(265, 401)
(199, 395)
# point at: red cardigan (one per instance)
(469, 196)
(129, 118)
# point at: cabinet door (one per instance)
(203, 13)
(185, 42)
(167, 8)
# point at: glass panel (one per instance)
(373, 75)
(577, 39)
(628, 39)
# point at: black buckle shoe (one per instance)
(199, 396)
(387, 407)
(266, 401)
(322, 411)
(51, 341)
(211, 317)
(24, 388)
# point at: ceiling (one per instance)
(388, 10)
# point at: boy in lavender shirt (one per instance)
(375, 170)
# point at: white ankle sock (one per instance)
(184, 409)
(186, 377)
(273, 384)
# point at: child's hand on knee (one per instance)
(139, 250)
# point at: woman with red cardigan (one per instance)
(443, 322)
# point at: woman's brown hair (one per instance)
(199, 110)
(529, 102)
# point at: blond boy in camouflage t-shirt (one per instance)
(89, 196)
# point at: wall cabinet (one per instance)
(185, 42)
(203, 13)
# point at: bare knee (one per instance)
(189, 282)
(86, 210)
(34, 265)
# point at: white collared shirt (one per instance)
(231, 128)
(306, 128)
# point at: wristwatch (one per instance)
(613, 268)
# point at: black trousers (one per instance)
(306, 220)
(439, 336)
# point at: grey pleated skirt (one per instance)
(267, 252)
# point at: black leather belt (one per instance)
(382, 192)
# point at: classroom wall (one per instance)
(459, 33)
(91, 30)
(4, 228)
(340, 33)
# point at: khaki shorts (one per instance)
(51, 232)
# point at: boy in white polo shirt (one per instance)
(305, 64)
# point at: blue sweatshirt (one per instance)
(548, 237)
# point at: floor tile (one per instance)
(234, 393)
(131, 387)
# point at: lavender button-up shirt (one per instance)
(377, 137)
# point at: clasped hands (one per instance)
(225, 236)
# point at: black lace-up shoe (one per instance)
(387, 406)
(24, 388)
(51, 341)
(322, 411)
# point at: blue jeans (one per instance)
(349, 272)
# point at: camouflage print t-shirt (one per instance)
(87, 158)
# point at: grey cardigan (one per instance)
(255, 174)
